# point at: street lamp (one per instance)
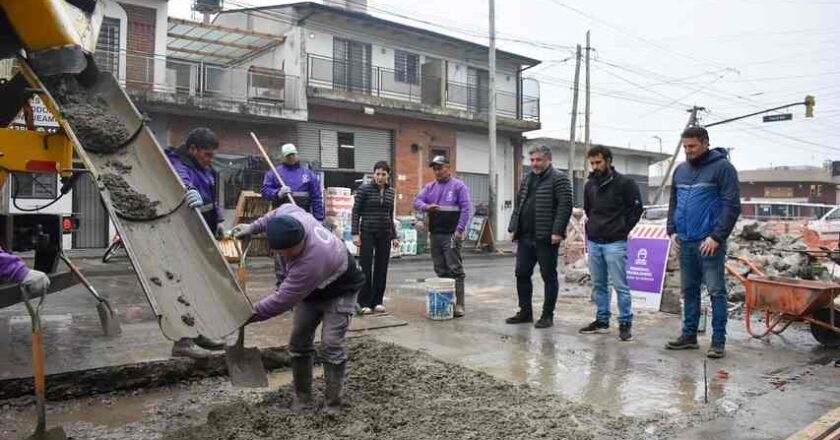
(660, 142)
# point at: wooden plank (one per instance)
(826, 427)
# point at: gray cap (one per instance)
(438, 160)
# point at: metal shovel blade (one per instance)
(109, 319)
(245, 365)
(56, 433)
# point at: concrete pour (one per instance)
(97, 129)
(127, 200)
(396, 393)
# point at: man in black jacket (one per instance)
(613, 205)
(538, 225)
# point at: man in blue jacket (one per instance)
(301, 183)
(705, 203)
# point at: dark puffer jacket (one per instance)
(374, 209)
(553, 204)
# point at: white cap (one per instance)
(288, 149)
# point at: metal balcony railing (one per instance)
(252, 85)
(414, 87)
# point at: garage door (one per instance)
(344, 147)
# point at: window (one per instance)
(816, 191)
(346, 151)
(351, 66)
(34, 186)
(406, 66)
(108, 46)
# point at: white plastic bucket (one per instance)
(440, 299)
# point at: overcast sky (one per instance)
(653, 59)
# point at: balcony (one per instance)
(166, 82)
(424, 91)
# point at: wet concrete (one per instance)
(127, 201)
(395, 393)
(790, 375)
(97, 129)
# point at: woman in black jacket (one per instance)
(374, 209)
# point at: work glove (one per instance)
(241, 231)
(283, 192)
(193, 198)
(220, 231)
(36, 283)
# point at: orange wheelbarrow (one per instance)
(784, 301)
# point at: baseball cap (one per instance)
(284, 232)
(288, 149)
(439, 160)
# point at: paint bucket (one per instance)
(440, 299)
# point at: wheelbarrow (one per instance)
(784, 301)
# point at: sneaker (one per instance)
(365, 311)
(624, 331)
(520, 318)
(379, 309)
(683, 343)
(716, 352)
(595, 327)
(544, 323)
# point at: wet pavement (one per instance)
(761, 390)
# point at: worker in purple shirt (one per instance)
(192, 162)
(301, 183)
(12, 269)
(446, 202)
(319, 278)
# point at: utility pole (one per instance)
(572, 140)
(491, 119)
(692, 121)
(588, 94)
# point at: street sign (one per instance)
(779, 117)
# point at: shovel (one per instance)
(245, 365)
(41, 432)
(107, 315)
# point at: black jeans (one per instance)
(528, 253)
(374, 256)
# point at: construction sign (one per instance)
(647, 258)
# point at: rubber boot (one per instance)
(334, 376)
(185, 347)
(302, 378)
(209, 344)
(460, 307)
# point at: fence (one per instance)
(411, 86)
(253, 85)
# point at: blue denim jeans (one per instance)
(608, 262)
(696, 270)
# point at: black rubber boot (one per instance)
(302, 377)
(460, 306)
(334, 376)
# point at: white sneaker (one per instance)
(366, 311)
(379, 309)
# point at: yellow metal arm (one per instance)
(34, 152)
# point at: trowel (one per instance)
(245, 365)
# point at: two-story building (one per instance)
(348, 88)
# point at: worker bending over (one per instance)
(319, 278)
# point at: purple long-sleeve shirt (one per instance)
(304, 184)
(452, 193)
(323, 260)
(12, 268)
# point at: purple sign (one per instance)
(646, 262)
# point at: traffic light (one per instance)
(810, 102)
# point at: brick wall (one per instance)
(234, 136)
(139, 70)
(407, 132)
